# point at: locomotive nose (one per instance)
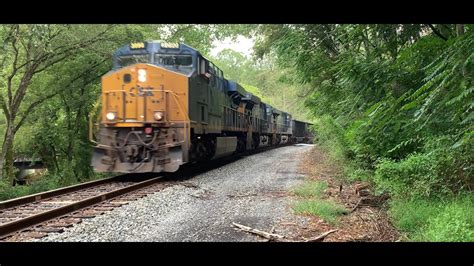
(144, 120)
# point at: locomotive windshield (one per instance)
(173, 60)
(127, 60)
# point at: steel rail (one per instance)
(17, 225)
(53, 193)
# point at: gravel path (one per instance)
(251, 191)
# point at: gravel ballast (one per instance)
(252, 191)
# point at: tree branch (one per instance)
(15, 69)
(437, 32)
(30, 109)
(39, 101)
(5, 108)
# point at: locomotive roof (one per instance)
(299, 121)
(156, 46)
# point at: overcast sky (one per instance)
(242, 44)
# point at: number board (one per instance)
(169, 45)
(137, 45)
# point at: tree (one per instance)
(29, 50)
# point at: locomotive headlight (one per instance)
(158, 115)
(141, 75)
(110, 116)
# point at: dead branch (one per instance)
(357, 205)
(280, 238)
(263, 234)
(321, 236)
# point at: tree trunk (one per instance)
(6, 156)
(460, 29)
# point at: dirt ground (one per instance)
(364, 223)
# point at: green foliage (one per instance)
(435, 220)
(9, 192)
(311, 189)
(200, 36)
(273, 85)
(438, 171)
(313, 202)
(454, 223)
(327, 210)
(330, 134)
(47, 182)
(393, 105)
(43, 184)
(410, 215)
(355, 173)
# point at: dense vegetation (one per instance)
(393, 104)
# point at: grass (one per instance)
(311, 189)
(435, 220)
(313, 203)
(325, 209)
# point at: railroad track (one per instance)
(35, 216)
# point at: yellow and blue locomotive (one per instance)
(164, 105)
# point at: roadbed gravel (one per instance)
(252, 191)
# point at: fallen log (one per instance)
(263, 234)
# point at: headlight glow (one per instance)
(158, 116)
(110, 116)
(141, 75)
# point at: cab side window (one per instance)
(218, 78)
(202, 66)
(212, 71)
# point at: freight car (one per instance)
(164, 105)
(301, 132)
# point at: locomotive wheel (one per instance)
(241, 145)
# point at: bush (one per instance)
(358, 174)
(437, 172)
(44, 184)
(331, 134)
(8, 192)
(412, 177)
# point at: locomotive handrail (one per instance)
(156, 90)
